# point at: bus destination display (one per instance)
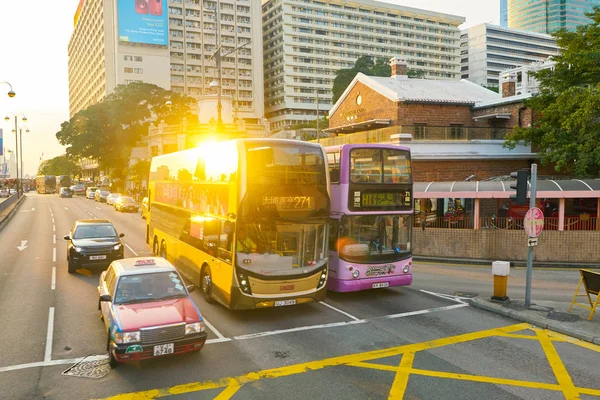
(289, 202)
(381, 200)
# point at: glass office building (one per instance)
(548, 16)
(504, 13)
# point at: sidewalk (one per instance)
(552, 315)
(7, 214)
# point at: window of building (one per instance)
(128, 70)
(128, 58)
(138, 58)
(419, 130)
(456, 131)
(138, 70)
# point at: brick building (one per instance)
(457, 127)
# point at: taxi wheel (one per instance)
(112, 361)
(71, 267)
(206, 284)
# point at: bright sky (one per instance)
(33, 57)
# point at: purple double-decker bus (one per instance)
(371, 217)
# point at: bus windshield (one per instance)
(272, 249)
(374, 238)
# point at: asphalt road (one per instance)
(390, 343)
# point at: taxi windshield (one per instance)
(149, 287)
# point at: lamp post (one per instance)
(24, 119)
(10, 93)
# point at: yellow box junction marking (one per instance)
(404, 369)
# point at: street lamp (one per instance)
(24, 119)
(10, 93)
(169, 105)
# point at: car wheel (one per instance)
(206, 284)
(112, 361)
(71, 266)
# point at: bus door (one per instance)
(334, 238)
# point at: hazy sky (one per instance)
(34, 36)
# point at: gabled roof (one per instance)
(401, 88)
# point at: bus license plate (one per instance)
(163, 349)
(380, 285)
(97, 257)
(279, 303)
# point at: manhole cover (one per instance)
(89, 368)
(563, 317)
(470, 295)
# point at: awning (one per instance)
(554, 189)
(498, 115)
(359, 126)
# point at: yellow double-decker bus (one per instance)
(245, 220)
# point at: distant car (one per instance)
(110, 200)
(101, 195)
(125, 203)
(144, 208)
(147, 311)
(89, 192)
(12, 191)
(4, 193)
(65, 192)
(93, 242)
(79, 189)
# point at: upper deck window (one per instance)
(370, 165)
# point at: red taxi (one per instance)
(147, 310)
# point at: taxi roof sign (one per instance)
(148, 261)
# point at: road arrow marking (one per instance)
(23, 245)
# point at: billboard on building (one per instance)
(143, 21)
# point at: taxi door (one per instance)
(107, 286)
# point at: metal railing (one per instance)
(582, 223)
(420, 133)
(456, 222)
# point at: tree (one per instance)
(140, 171)
(364, 64)
(108, 130)
(60, 165)
(567, 130)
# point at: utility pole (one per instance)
(530, 248)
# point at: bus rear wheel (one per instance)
(155, 247)
(163, 250)
(206, 284)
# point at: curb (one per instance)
(12, 212)
(488, 263)
(540, 322)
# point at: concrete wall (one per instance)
(554, 246)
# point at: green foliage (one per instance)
(312, 124)
(108, 130)
(493, 88)
(60, 165)
(140, 171)
(416, 73)
(567, 132)
(364, 64)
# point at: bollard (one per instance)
(500, 270)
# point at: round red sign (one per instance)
(534, 222)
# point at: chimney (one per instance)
(399, 67)
(509, 85)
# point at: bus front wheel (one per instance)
(206, 284)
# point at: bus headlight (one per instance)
(244, 284)
(355, 273)
(406, 269)
(323, 277)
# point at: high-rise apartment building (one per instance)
(103, 55)
(307, 41)
(548, 16)
(195, 35)
(504, 13)
(168, 43)
(487, 50)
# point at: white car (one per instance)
(110, 200)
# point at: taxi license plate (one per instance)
(380, 285)
(97, 257)
(162, 349)
(279, 303)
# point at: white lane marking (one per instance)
(211, 341)
(340, 311)
(450, 297)
(52, 220)
(32, 208)
(54, 254)
(90, 214)
(98, 208)
(67, 208)
(23, 245)
(53, 284)
(298, 329)
(53, 228)
(131, 250)
(212, 328)
(51, 363)
(360, 321)
(48, 353)
(53, 239)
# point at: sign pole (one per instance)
(530, 248)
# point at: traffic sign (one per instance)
(532, 241)
(534, 222)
